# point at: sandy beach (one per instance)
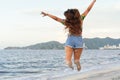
(113, 75)
(106, 73)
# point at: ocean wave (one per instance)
(20, 71)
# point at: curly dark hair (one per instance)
(73, 21)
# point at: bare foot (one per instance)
(70, 66)
(78, 66)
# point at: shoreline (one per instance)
(113, 75)
(106, 73)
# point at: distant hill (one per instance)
(46, 45)
(95, 43)
(91, 43)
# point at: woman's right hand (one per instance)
(44, 14)
(94, 0)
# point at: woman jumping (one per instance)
(74, 43)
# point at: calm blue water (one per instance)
(21, 63)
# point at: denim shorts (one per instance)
(74, 41)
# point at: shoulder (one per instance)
(63, 21)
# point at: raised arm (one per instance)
(89, 8)
(53, 17)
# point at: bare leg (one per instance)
(69, 51)
(77, 55)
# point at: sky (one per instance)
(21, 23)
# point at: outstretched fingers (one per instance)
(44, 14)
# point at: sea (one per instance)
(48, 64)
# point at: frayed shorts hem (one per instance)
(71, 46)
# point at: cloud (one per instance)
(117, 7)
(29, 11)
